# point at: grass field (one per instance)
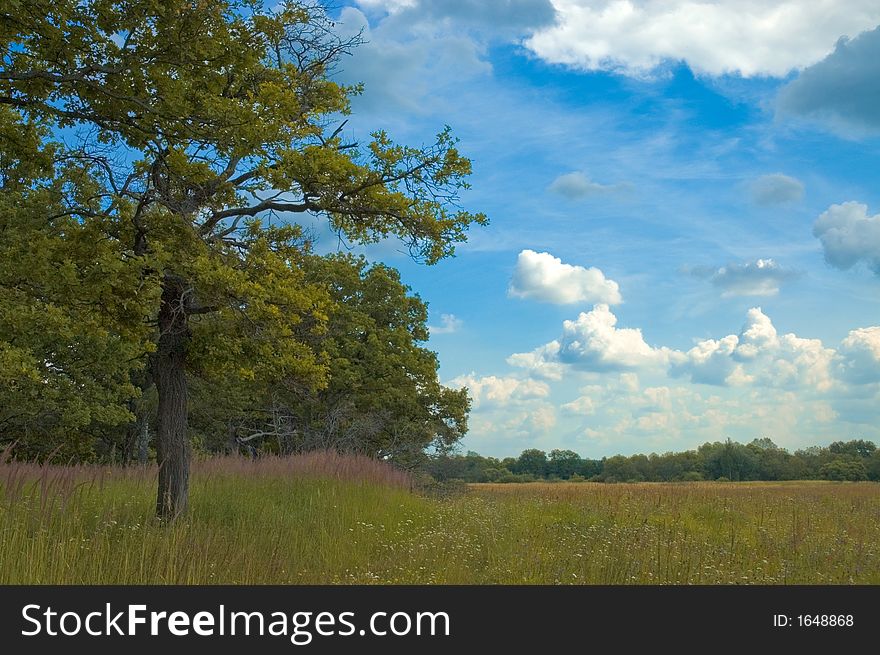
(330, 519)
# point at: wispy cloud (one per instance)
(762, 277)
(776, 189)
(448, 324)
(577, 185)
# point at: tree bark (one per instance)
(169, 371)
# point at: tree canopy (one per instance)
(155, 155)
(382, 397)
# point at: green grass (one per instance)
(274, 522)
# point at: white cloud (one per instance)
(761, 277)
(759, 356)
(577, 185)
(541, 276)
(758, 334)
(629, 381)
(660, 399)
(654, 421)
(848, 236)
(802, 362)
(499, 391)
(709, 362)
(581, 406)
(531, 423)
(749, 37)
(860, 355)
(758, 381)
(776, 189)
(592, 342)
(738, 377)
(842, 90)
(823, 412)
(541, 419)
(448, 324)
(541, 361)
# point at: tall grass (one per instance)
(327, 518)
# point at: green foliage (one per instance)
(533, 462)
(856, 448)
(71, 305)
(188, 129)
(563, 463)
(872, 466)
(846, 467)
(382, 395)
(378, 367)
(723, 461)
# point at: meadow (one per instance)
(325, 518)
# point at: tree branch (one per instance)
(266, 205)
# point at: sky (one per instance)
(684, 237)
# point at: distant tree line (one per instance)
(761, 459)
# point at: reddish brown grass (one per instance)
(59, 482)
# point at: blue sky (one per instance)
(685, 218)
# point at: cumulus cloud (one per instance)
(749, 37)
(581, 406)
(860, 356)
(448, 324)
(757, 335)
(543, 361)
(541, 276)
(849, 235)
(757, 380)
(541, 419)
(761, 277)
(534, 422)
(578, 185)
(776, 189)
(499, 391)
(657, 399)
(592, 342)
(709, 361)
(842, 90)
(758, 355)
(629, 382)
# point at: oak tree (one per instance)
(203, 127)
(383, 397)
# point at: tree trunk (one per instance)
(169, 371)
